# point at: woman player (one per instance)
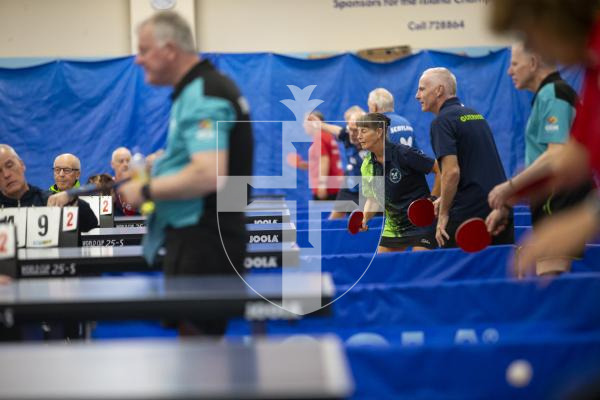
(403, 169)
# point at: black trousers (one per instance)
(199, 251)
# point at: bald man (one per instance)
(14, 189)
(16, 192)
(119, 162)
(466, 153)
(400, 130)
(67, 169)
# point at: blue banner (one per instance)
(90, 108)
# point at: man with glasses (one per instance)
(16, 192)
(67, 169)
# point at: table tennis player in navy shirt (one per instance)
(466, 152)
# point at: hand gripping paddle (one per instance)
(472, 235)
(421, 212)
(355, 221)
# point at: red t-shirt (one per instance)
(329, 148)
(586, 127)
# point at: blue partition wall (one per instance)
(90, 108)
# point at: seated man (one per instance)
(16, 192)
(67, 169)
(121, 158)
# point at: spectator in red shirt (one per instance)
(325, 166)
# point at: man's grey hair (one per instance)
(171, 27)
(118, 149)
(71, 156)
(383, 99)
(10, 150)
(354, 110)
(444, 77)
(531, 53)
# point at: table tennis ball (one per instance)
(519, 373)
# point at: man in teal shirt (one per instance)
(183, 184)
(548, 126)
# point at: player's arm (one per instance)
(449, 186)
(331, 128)
(437, 182)
(557, 116)
(197, 179)
(323, 173)
(505, 194)
(206, 141)
(372, 207)
(449, 183)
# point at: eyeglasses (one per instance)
(65, 170)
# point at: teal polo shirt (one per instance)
(552, 114)
(198, 123)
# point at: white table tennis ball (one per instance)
(519, 373)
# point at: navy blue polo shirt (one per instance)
(405, 170)
(352, 160)
(463, 132)
(400, 130)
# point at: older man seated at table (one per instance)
(16, 192)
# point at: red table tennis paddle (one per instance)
(355, 221)
(421, 212)
(472, 235)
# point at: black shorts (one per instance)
(346, 195)
(559, 202)
(196, 250)
(426, 239)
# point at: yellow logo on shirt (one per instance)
(552, 120)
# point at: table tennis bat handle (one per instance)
(92, 188)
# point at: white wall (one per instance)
(64, 28)
(318, 25)
(104, 28)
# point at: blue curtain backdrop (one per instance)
(90, 108)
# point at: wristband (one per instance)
(146, 192)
